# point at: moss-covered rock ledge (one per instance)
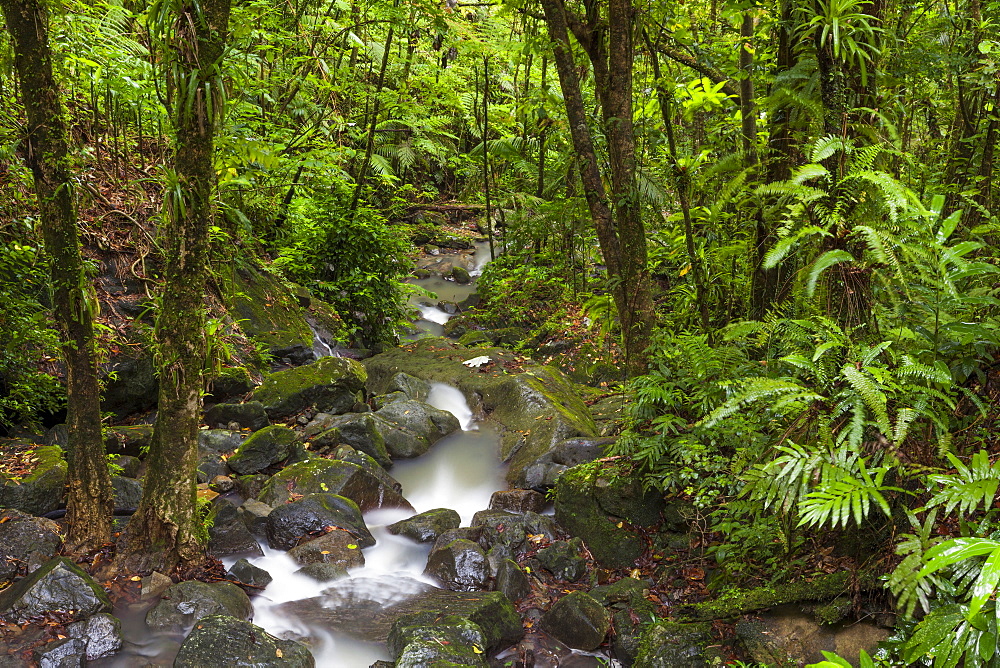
(534, 406)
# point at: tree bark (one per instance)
(618, 222)
(164, 533)
(89, 496)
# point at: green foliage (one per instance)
(355, 264)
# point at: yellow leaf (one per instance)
(278, 653)
(325, 552)
(135, 578)
(620, 524)
(685, 270)
(352, 546)
(477, 649)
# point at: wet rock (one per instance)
(562, 559)
(131, 466)
(673, 645)
(131, 385)
(630, 611)
(411, 386)
(221, 484)
(22, 535)
(250, 415)
(330, 385)
(254, 576)
(459, 564)
(362, 432)
(336, 547)
(346, 453)
(264, 448)
(153, 585)
(220, 640)
(427, 526)
(249, 486)
(506, 535)
(544, 471)
(219, 440)
(185, 603)
(475, 338)
(333, 476)
(42, 490)
(254, 514)
(132, 440)
(412, 427)
(102, 634)
(234, 381)
(127, 491)
(228, 534)
(596, 505)
(343, 604)
(518, 501)
(65, 653)
(210, 464)
(577, 620)
(427, 639)
(323, 572)
(512, 581)
(314, 513)
(461, 275)
(58, 585)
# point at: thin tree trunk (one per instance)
(89, 497)
(486, 154)
(164, 533)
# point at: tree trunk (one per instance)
(618, 223)
(89, 497)
(165, 531)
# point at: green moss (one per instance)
(475, 338)
(267, 310)
(673, 645)
(330, 385)
(734, 602)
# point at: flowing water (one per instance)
(460, 472)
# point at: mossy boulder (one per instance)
(268, 311)
(265, 447)
(577, 620)
(222, 640)
(599, 504)
(427, 639)
(40, 491)
(57, 585)
(250, 415)
(362, 431)
(735, 602)
(534, 409)
(229, 383)
(630, 610)
(335, 477)
(287, 524)
(475, 338)
(330, 385)
(427, 526)
(412, 427)
(673, 645)
(131, 384)
(185, 603)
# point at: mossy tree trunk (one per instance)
(89, 498)
(617, 218)
(164, 532)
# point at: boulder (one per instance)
(254, 514)
(597, 504)
(130, 384)
(333, 476)
(346, 453)
(23, 535)
(131, 440)
(127, 491)
(577, 620)
(221, 640)
(543, 472)
(673, 645)
(461, 275)
(249, 486)
(336, 547)
(219, 440)
(330, 385)
(411, 386)
(246, 573)
(323, 572)
(64, 653)
(267, 311)
(412, 427)
(227, 533)
(512, 581)
(506, 535)
(518, 501)
(185, 603)
(210, 464)
(231, 382)
(427, 526)
(102, 634)
(458, 564)
(562, 559)
(427, 639)
(42, 490)
(131, 466)
(250, 415)
(265, 447)
(315, 513)
(630, 611)
(58, 585)
(361, 431)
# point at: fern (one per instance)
(842, 496)
(973, 485)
